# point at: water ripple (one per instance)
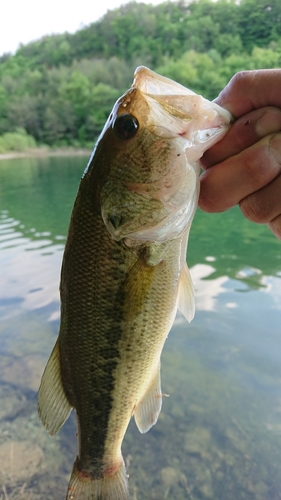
(29, 273)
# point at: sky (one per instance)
(22, 21)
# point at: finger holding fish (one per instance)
(244, 132)
(231, 181)
(245, 169)
(264, 206)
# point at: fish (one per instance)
(124, 274)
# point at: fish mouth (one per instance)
(176, 111)
(151, 83)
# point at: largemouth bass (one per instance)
(124, 274)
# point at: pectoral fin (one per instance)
(149, 407)
(53, 406)
(186, 299)
(137, 286)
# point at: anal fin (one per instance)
(186, 300)
(149, 406)
(53, 406)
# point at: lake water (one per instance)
(218, 436)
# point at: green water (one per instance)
(219, 433)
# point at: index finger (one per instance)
(245, 131)
(226, 184)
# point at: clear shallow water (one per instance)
(219, 433)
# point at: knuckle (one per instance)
(244, 78)
(257, 170)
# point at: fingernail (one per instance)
(275, 147)
(269, 122)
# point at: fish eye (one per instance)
(126, 126)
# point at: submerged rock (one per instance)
(198, 441)
(19, 460)
(24, 372)
(170, 476)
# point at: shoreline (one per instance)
(41, 152)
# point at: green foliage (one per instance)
(259, 22)
(60, 89)
(3, 100)
(16, 141)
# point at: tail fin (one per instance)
(111, 487)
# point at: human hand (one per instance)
(245, 166)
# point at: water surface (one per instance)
(219, 433)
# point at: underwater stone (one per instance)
(19, 460)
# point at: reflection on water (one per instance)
(219, 433)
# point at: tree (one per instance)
(259, 22)
(62, 88)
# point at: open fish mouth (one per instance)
(176, 111)
(151, 83)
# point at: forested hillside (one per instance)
(60, 89)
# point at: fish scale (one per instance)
(124, 274)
